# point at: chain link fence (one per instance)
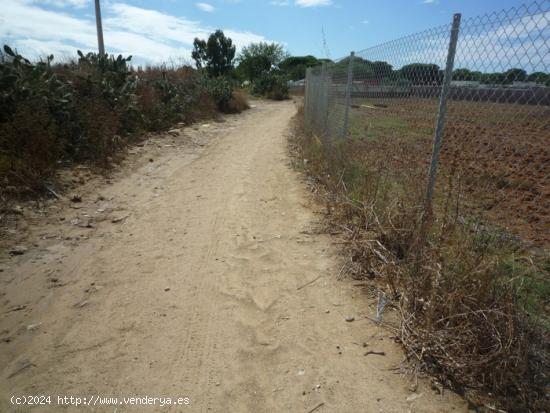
(466, 256)
(468, 101)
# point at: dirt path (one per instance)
(193, 292)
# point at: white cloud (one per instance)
(22, 20)
(40, 48)
(365, 22)
(430, 1)
(304, 3)
(149, 35)
(242, 39)
(155, 24)
(65, 3)
(205, 7)
(313, 3)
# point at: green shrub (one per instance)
(220, 88)
(271, 85)
(22, 81)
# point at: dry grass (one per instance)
(238, 102)
(473, 301)
(28, 147)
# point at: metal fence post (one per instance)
(348, 95)
(307, 99)
(440, 125)
(324, 97)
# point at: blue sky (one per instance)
(159, 30)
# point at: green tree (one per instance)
(215, 55)
(364, 69)
(466, 74)
(361, 68)
(260, 58)
(493, 78)
(272, 85)
(538, 77)
(421, 73)
(382, 70)
(295, 67)
(476, 75)
(515, 75)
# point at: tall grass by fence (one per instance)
(466, 254)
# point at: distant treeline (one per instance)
(415, 73)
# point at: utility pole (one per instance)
(100, 43)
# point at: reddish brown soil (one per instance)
(498, 156)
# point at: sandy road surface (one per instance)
(193, 292)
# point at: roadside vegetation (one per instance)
(88, 109)
(472, 300)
